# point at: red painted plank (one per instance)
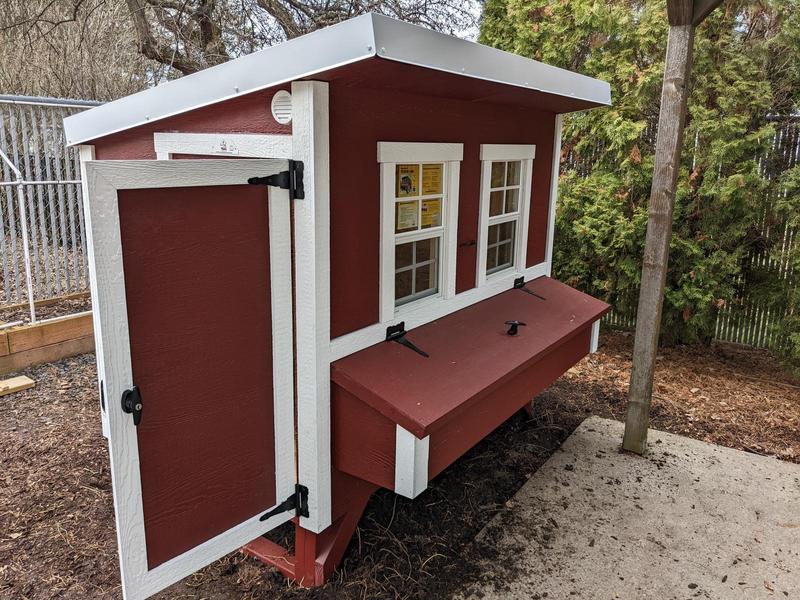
(470, 354)
(197, 289)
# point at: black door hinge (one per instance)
(291, 180)
(132, 404)
(397, 333)
(519, 284)
(297, 502)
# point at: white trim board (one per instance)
(244, 145)
(508, 151)
(594, 341)
(551, 212)
(399, 152)
(310, 143)
(410, 463)
(103, 180)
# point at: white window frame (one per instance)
(490, 153)
(390, 154)
(102, 181)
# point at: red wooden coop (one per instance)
(357, 299)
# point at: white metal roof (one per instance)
(360, 38)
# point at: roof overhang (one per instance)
(328, 50)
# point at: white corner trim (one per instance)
(86, 154)
(397, 152)
(244, 145)
(410, 463)
(551, 212)
(427, 310)
(310, 143)
(508, 151)
(102, 181)
(595, 339)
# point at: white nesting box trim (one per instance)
(595, 340)
(410, 463)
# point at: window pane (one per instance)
(512, 200)
(491, 258)
(504, 255)
(432, 179)
(425, 279)
(513, 173)
(431, 213)
(426, 250)
(495, 203)
(403, 255)
(406, 216)
(506, 231)
(407, 180)
(493, 230)
(498, 174)
(402, 284)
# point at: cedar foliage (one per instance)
(746, 67)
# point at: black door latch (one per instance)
(397, 333)
(515, 325)
(132, 404)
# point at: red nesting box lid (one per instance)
(470, 352)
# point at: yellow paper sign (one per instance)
(407, 180)
(406, 216)
(431, 213)
(432, 179)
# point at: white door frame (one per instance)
(103, 180)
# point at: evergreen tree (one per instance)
(746, 71)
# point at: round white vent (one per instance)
(282, 107)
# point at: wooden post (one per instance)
(683, 16)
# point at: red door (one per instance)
(192, 281)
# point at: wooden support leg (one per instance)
(318, 554)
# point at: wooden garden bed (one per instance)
(45, 341)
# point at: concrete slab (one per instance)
(690, 520)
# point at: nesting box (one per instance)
(319, 270)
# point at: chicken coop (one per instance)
(316, 271)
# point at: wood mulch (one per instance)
(57, 535)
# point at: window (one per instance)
(505, 209)
(419, 207)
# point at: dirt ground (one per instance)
(56, 518)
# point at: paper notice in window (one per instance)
(406, 216)
(407, 180)
(431, 213)
(432, 179)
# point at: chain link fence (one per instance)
(43, 253)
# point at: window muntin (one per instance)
(419, 203)
(500, 246)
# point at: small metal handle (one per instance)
(514, 329)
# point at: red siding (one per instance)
(247, 114)
(197, 289)
(360, 118)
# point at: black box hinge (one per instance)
(291, 179)
(397, 333)
(297, 502)
(132, 404)
(519, 284)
